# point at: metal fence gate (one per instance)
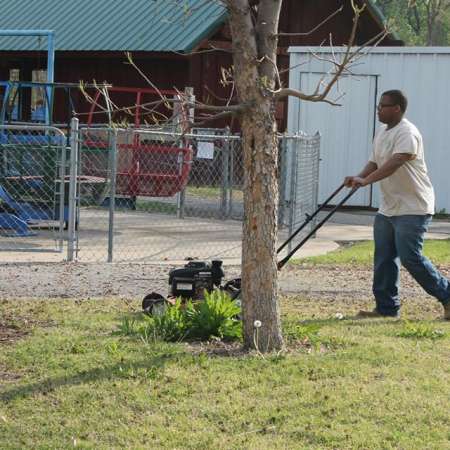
(300, 181)
(33, 190)
(144, 195)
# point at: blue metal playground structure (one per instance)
(32, 178)
(28, 160)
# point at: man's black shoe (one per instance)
(375, 314)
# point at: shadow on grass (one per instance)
(352, 321)
(118, 371)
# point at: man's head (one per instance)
(392, 107)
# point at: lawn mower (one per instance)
(191, 281)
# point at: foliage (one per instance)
(441, 214)
(418, 22)
(127, 327)
(420, 331)
(214, 317)
(171, 326)
(305, 333)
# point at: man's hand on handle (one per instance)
(352, 182)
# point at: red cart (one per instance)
(146, 165)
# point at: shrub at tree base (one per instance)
(215, 317)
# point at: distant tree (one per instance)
(426, 22)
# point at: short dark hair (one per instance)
(398, 98)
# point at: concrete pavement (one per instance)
(140, 237)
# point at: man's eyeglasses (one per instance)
(385, 105)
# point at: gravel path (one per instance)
(132, 281)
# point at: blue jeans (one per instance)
(399, 239)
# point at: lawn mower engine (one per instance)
(191, 282)
(194, 278)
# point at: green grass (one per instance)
(76, 380)
(204, 192)
(361, 253)
(155, 206)
(212, 192)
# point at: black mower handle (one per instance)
(311, 217)
(319, 225)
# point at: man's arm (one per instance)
(368, 169)
(386, 170)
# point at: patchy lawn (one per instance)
(361, 253)
(72, 380)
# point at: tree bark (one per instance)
(259, 265)
(254, 56)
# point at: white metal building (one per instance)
(423, 73)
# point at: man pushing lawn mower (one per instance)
(407, 205)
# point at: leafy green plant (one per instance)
(305, 333)
(127, 327)
(171, 326)
(420, 331)
(216, 316)
(112, 348)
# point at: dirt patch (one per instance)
(8, 335)
(14, 326)
(217, 348)
(11, 329)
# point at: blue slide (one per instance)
(15, 215)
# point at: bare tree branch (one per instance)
(321, 24)
(341, 67)
(261, 50)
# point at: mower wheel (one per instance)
(154, 304)
(233, 288)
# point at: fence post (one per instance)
(225, 201)
(62, 194)
(181, 196)
(74, 144)
(112, 193)
(293, 160)
(282, 202)
(316, 176)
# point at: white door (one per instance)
(347, 130)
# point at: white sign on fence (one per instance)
(205, 150)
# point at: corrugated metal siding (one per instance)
(111, 25)
(347, 127)
(423, 74)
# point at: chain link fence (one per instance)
(300, 182)
(33, 189)
(144, 195)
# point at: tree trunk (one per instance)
(259, 265)
(254, 36)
